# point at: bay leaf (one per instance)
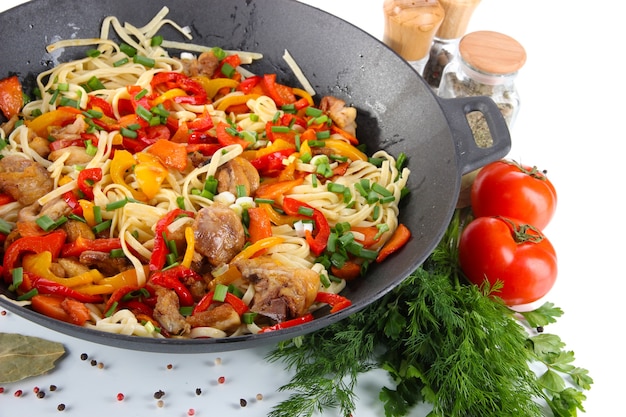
(25, 356)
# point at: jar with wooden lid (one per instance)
(410, 27)
(487, 64)
(446, 41)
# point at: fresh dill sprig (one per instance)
(443, 342)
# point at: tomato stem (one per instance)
(523, 233)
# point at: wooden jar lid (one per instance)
(492, 52)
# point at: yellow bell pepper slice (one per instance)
(121, 162)
(58, 117)
(95, 289)
(168, 95)
(150, 174)
(88, 213)
(212, 86)
(277, 145)
(39, 264)
(123, 279)
(343, 148)
(191, 246)
(226, 102)
(257, 246)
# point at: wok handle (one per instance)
(470, 155)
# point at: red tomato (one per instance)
(517, 254)
(506, 188)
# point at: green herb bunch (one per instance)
(443, 342)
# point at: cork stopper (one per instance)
(410, 26)
(492, 52)
(457, 16)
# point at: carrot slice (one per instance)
(399, 238)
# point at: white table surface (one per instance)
(569, 123)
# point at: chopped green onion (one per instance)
(372, 197)
(17, 276)
(128, 133)
(323, 134)
(263, 201)
(305, 211)
(111, 309)
(5, 227)
(342, 227)
(116, 204)
(281, 129)
(241, 190)
(382, 228)
(228, 70)
(335, 188)
(141, 94)
(90, 149)
(160, 110)
(317, 143)
(220, 293)
(248, 317)
(46, 223)
(288, 108)
(180, 202)
(325, 280)
(69, 102)
(93, 53)
(117, 253)
(254, 117)
(400, 161)
(77, 218)
(63, 87)
(127, 49)
(97, 214)
(143, 113)
(313, 112)
(144, 60)
(331, 244)
(27, 296)
(381, 190)
(376, 212)
(210, 184)
(232, 288)
(156, 40)
(170, 259)
(388, 199)
(93, 114)
(218, 52)
(376, 161)
(101, 227)
(186, 311)
(232, 131)
(121, 62)
(54, 97)
(249, 136)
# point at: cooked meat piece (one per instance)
(9, 125)
(222, 316)
(238, 171)
(77, 155)
(166, 311)
(219, 234)
(342, 115)
(282, 292)
(205, 64)
(40, 145)
(76, 229)
(23, 179)
(55, 209)
(71, 131)
(103, 262)
(72, 267)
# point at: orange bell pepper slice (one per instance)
(59, 117)
(260, 225)
(11, 99)
(171, 154)
(399, 238)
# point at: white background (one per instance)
(570, 123)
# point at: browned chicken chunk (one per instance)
(23, 179)
(222, 316)
(219, 234)
(343, 116)
(167, 311)
(282, 293)
(238, 171)
(205, 64)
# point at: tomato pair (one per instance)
(511, 204)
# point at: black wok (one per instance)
(397, 112)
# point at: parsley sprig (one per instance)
(443, 342)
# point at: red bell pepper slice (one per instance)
(233, 60)
(82, 244)
(51, 242)
(70, 199)
(281, 94)
(226, 139)
(171, 278)
(206, 149)
(289, 323)
(318, 242)
(249, 83)
(116, 296)
(271, 164)
(45, 286)
(86, 178)
(5, 199)
(95, 102)
(237, 303)
(335, 301)
(159, 251)
(167, 80)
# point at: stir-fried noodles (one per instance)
(162, 196)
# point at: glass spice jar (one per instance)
(487, 64)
